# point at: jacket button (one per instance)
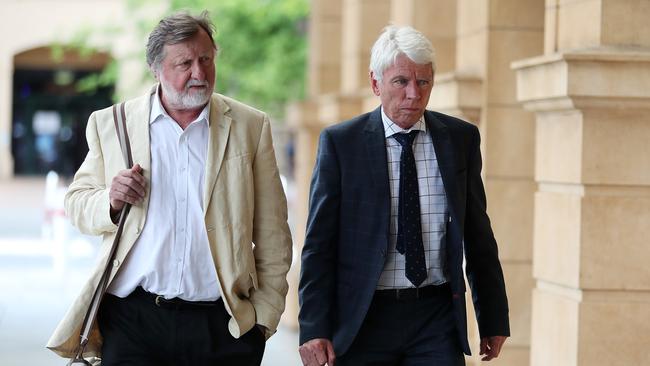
(116, 262)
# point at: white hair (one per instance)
(395, 41)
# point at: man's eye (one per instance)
(423, 82)
(400, 82)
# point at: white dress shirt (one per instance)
(433, 207)
(172, 256)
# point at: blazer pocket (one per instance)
(253, 277)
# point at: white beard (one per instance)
(185, 99)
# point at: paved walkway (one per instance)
(42, 267)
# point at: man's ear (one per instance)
(373, 84)
(154, 72)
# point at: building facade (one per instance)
(560, 92)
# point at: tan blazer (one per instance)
(244, 203)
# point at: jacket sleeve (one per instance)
(317, 292)
(87, 203)
(483, 268)
(271, 236)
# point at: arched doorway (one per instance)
(50, 113)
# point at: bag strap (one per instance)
(119, 118)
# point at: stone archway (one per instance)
(49, 112)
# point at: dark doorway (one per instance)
(50, 115)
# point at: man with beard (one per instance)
(200, 274)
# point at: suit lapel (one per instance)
(445, 155)
(220, 122)
(137, 125)
(375, 142)
(137, 119)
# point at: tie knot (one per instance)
(406, 139)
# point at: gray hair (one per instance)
(395, 41)
(174, 29)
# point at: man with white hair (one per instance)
(396, 204)
(199, 277)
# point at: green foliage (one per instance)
(262, 48)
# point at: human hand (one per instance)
(128, 186)
(317, 352)
(491, 347)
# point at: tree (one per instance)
(262, 48)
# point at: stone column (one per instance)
(514, 31)
(324, 76)
(590, 93)
(436, 20)
(363, 20)
(481, 89)
(458, 90)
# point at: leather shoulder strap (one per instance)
(119, 118)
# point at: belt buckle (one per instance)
(157, 301)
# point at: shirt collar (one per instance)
(158, 111)
(390, 128)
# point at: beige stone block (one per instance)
(558, 147)
(511, 208)
(519, 287)
(550, 27)
(556, 233)
(337, 108)
(472, 17)
(525, 14)
(326, 8)
(370, 103)
(362, 23)
(436, 19)
(510, 356)
(622, 324)
(610, 74)
(541, 79)
(351, 72)
(445, 54)
(457, 95)
(471, 54)
(508, 134)
(402, 12)
(579, 24)
(325, 79)
(375, 15)
(302, 114)
(614, 78)
(614, 240)
(504, 47)
(616, 148)
(625, 22)
(325, 41)
(554, 330)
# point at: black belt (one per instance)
(175, 303)
(414, 293)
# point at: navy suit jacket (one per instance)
(348, 229)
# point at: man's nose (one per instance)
(197, 71)
(412, 90)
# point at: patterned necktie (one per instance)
(409, 229)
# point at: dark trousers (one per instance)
(137, 331)
(407, 331)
